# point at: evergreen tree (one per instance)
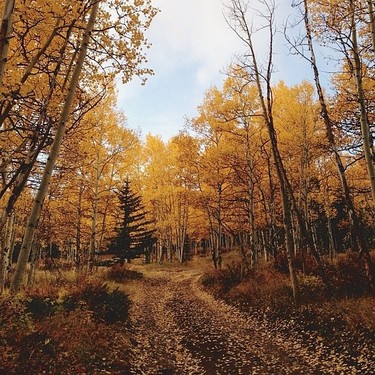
(134, 235)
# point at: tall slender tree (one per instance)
(47, 173)
(237, 20)
(358, 240)
(5, 35)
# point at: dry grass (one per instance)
(356, 312)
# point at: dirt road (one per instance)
(178, 328)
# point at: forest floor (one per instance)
(165, 320)
(178, 328)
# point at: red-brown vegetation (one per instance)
(77, 328)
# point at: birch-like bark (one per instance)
(6, 30)
(365, 126)
(20, 180)
(9, 244)
(92, 246)
(371, 12)
(218, 247)
(20, 177)
(183, 227)
(265, 99)
(52, 157)
(4, 255)
(77, 257)
(353, 217)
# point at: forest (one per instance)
(261, 210)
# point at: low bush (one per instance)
(15, 325)
(312, 289)
(263, 287)
(106, 305)
(345, 276)
(120, 273)
(303, 263)
(221, 281)
(69, 330)
(82, 341)
(41, 307)
(39, 350)
(269, 284)
(42, 302)
(14, 319)
(69, 344)
(209, 279)
(348, 277)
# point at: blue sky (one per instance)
(191, 47)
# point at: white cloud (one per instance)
(191, 45)
(191, 31)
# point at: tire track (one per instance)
(158, 347)
(177, 328)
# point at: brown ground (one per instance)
(177, 328)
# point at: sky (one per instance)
(192, 45)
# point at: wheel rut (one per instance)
(178, 328)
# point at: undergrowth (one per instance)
(75, 328)
(339, 311)
(120, 273)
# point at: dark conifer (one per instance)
(134, 235)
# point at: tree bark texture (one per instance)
(51, 161)
(5, 35)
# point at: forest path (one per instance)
(180, 329)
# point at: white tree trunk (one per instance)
(244, 31)
(92, 247)
(365, 126)
(51, 161)
(371, 13)
(5, 251)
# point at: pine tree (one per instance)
(135, 236)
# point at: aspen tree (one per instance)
(40, 134)
(49, 34)
(5, 252)
(52, 157)
(213, 170)
(353, 216)
(344, 27)
(358, 76)
(5, 35)
(371, 13)
(238, 22)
